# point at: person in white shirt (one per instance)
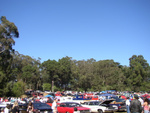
(54, 105)
(141, 100)
(128, 105)
(6, 110)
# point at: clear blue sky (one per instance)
(81, 29)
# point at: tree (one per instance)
(108, 75)
(19, 88)
(26, 69)
(64, 72)
(46, 86)
(8, 31)
(50, 71)
(86, 74)
(138, 77)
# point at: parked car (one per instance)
(71, 107)
(38, 107)
(120, 103)
(121, 107)
(100, 106)
(4, 104)
(118, 100)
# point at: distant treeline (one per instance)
(20, 72)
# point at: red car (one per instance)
(71, 107)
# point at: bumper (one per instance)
(108, 111)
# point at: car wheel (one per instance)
(100, 111)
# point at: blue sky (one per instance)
(81, 29)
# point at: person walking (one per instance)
(146, 105)
(128, 104)
(54, 105)
(135, 105)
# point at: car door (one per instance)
(61, 108)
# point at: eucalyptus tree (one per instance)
(74, 82)
(108, 75)
(8, 31)
(139, 73)
(86, 73)
(50, 72)
(27, 70)
(31, 73)
(65, 75)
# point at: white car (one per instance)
(100, 107)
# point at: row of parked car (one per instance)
(90, 106)
(72, 107)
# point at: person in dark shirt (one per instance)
(15, 108)
(135, 105)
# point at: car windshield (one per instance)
(96, 103)
(40, 104)
(74, 105)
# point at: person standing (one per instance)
(7, 109)
(146, 105)
(128, 104)
(135, 105)
(30, 107)
(15, 108)
(54, 105)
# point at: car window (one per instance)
(63, 105)
(91, 103)
(96, 103)
(85, 103)
(74, 105)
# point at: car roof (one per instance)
(91, 101)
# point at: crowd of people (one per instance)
(137, 105)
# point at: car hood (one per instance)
(107, 101)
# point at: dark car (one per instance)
(38, 107)
(120, 103)
(118, 99)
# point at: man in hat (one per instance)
(135, 105)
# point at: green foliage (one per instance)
(18, 88)
(57, 89)
(46, 86)
(138, 73)
(50, 71)
(8, 31)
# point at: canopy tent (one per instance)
(48, 96)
